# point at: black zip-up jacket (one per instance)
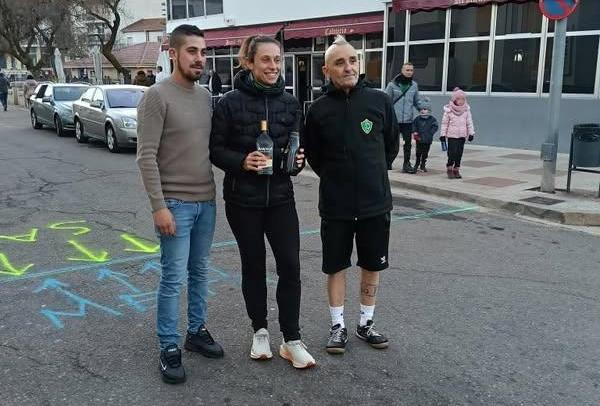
(235, 127)
(351, 141)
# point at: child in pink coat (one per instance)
(457, 126)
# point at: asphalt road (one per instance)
(481, 308)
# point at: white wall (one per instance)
(245, 12)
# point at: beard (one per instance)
(189, 75)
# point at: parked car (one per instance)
(108, 113)
(51, 105)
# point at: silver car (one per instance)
(108, 113)
(51, 106)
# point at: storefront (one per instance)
(304, 43)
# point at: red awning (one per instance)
(401, 5)
(358, 24)
(234, 36)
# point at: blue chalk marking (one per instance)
(82, 303)
(106, 273)
(230, 243)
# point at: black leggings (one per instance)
(280, 225)
(456, 147)
(406, 131)
(422, 152)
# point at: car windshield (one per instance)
(124, 98)
(68, 93)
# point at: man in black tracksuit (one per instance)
(351, 139)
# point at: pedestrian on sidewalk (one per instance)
(257, 204)
(174, 123)
(424, 128)
(351, 140)
(28, 89)
(457, 127)
(404, 92)
(4, 86)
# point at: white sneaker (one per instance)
(261, 345)
(295, 352)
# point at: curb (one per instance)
(573, 218)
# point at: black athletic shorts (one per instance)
(372, 241)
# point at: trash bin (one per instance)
(586, 145)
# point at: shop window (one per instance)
(518, 18)
(581, 57)
(396, 26)
(319, 44)
(289, 70)
(168, 6)
(208, 67)
(470, 22)
(395, 60)
(223, 68)
(298, 45)
(179, 9)
(468, 65)
(195, 8)
(516, 65)
(214, 7)
(373, 64)
(427, 25)
(374, 40)
(318, 79)
(586, 17)
(222, 51)
(428, 61)
(356, 40)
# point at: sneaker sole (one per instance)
(261, 357)
(172, 381)
(285, 355)
(380, 346)
(334, 350)
(193, 348)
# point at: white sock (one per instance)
(337, 315)
(366, 314)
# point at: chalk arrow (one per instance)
(151, 266)
(140, 245)
(29, 237)
(121, 278)
(6, 268)
(101, 256)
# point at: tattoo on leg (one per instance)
(368, 289)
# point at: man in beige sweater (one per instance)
(174, 124)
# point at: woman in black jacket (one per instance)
(257, 205)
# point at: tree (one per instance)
(108, 13)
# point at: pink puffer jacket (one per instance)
(457, 126)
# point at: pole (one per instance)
(550, 147)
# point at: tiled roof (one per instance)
(147, 24)
(144, 55)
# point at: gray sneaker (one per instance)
(338, 337)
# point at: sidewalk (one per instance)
(508, 179)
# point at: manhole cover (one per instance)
(542, 200)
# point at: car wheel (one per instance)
(34, 121)
(111, 139)
(79, 136)
(60, 131)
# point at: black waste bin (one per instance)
(586, 145)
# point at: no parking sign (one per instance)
(558, 9)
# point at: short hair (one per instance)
(176, 38)
(338, 41)
(159, 68)
(249, 48)
(141, 72)
(409, 63)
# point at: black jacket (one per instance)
(350, 142)
(235, 127)
(426, 127)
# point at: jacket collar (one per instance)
(331, 90)
(244, 82)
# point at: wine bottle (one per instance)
(264, 145)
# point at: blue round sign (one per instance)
(558, 9)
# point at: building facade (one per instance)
(499, 51)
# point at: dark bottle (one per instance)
(264, 145)
(288, 164)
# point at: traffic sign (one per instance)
(558, 9)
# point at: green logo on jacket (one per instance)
(366, 125)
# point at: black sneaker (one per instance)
(338, 337)
(372, 337)
(407, 168)
(170, 365)
(203, 343)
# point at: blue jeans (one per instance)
(3, 100)
(184, 255)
